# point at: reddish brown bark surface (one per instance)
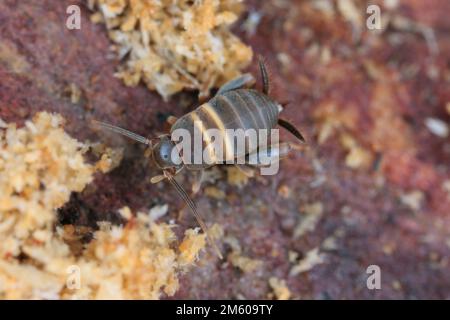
(379, 87)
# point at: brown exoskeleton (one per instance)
(233, 107)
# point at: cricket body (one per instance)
(233, 110)
(233, 107)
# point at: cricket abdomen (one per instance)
(237, 109)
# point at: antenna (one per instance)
(126, 133)
(182, 193)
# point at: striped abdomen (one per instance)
(237, 109)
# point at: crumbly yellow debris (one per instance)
(216, 231)
(311, 259)
(413, 200)
(284, 191)
(214, 192)
(138, 261)
(173, 45)
(190, 247)
(350, 11)
(357, 156)
(74, 93)
(110, 158)
(244, 263)
(40, 165)
(279, 288)
(238, 260)
(313, 213)
(12, 59)
(236, 177)
(332, 120)
(329, 243)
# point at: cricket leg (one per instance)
(268, 155)
(245, 80)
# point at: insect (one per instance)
(233, 107)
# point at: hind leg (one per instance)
(239, 82)
(270, 154)
(268, 159)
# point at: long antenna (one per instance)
(182, 193)
(126, 133)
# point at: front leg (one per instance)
(242, 81)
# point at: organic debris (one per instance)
(311, 259)
(413, 200)
(284, 191)
(216, 231)
(110, 158)
(191, 246)
(357, 156)
(437, 127)
(40, 166)
(158, 211)
(313, 213)
(279, 288)
(214, 192)
(171, 46)
(236, 177)
(136, 261)
(238, 260)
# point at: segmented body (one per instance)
(235, 109)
